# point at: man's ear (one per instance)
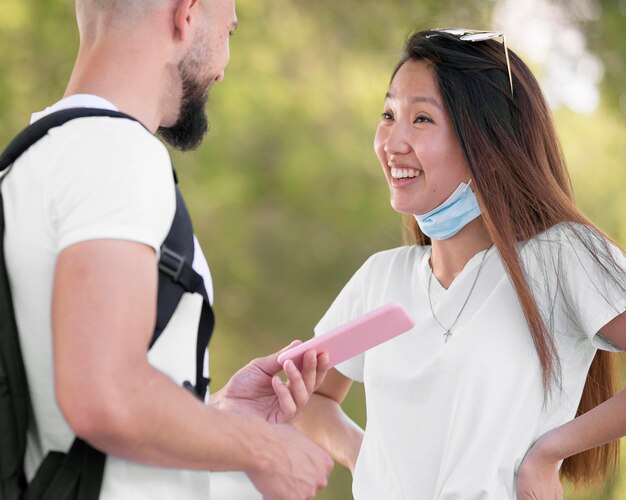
(182, 18)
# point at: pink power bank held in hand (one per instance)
(354, 337)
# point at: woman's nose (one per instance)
(397, 142)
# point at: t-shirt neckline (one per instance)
(436, 286)
(75, 101)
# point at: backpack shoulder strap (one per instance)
(14, 394)
(31, 134)
(14, 398)
(177, 276)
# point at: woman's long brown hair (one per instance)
(523, 189)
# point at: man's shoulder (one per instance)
(95, 155)
(104, 131)
(95, 143)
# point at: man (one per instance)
(87, 209)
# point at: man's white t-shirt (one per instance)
(93, 178)
(453, 420)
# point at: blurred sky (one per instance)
(548, 35)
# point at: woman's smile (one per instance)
(404, 177)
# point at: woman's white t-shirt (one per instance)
(453, 420)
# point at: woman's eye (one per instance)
(423, 119)
(386, 116)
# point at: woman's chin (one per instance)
(402, 208)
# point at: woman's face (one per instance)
(416, 144)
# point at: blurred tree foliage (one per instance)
(605, 36)
(286, 193)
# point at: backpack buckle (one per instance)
(171, 263)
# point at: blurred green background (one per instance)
(286, 193)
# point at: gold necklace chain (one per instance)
(448, 331)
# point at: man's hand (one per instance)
(296, 469)
(256, 389)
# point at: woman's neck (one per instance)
(450, 256)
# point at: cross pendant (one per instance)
(447, 334)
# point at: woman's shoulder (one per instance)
(407, 254)
(568, 236)
(568, 246)
(563, 231)
(393, 261)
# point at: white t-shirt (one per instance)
(93, 178)
(453, 420)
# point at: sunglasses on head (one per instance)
(480, 36)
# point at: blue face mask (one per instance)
(451, 216)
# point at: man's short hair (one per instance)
(129, 8)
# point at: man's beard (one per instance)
(192, 124)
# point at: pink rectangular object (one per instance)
(354, 337)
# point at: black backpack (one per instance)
(77, 473)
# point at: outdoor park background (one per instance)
(286, 194)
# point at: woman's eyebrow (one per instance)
(416, 99)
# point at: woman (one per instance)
(516, 296)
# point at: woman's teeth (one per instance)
(401, 173)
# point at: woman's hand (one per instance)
(256, 390)
(538, 475)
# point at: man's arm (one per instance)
(103, 312)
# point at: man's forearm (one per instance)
(153, 421)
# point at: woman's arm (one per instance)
(326, 423)
(538, 474)
(605, 423)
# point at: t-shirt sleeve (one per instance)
(594, 290)
(348, 305)
(116, 184)
(597, 298)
